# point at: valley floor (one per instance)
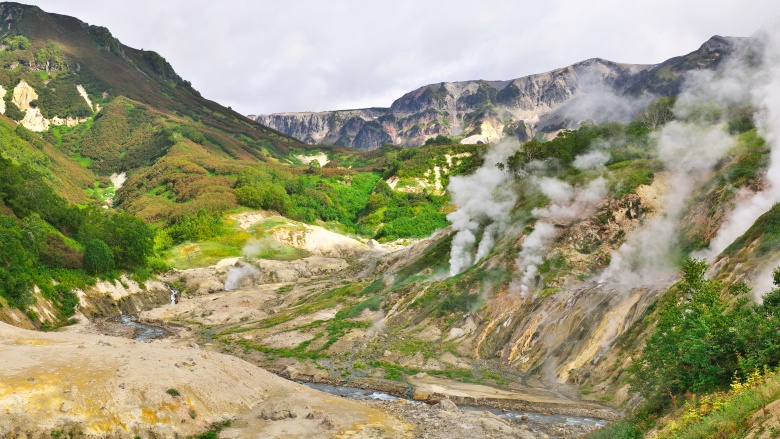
(92, 378)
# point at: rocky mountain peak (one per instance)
(486, 111)
(720, 44)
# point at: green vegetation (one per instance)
(630, 174)
(752, 155)
(703, 341)
(205, 239)
(213, 432)
(44, 238)
(446, 297)
(629, 142)
(189, 161)
(362, 202)
(173, 392)
(98, 258)
(306, 197)
(765, 231)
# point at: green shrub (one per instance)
(98, 258)
(13, 112)
(622, 429)
(18, 42)
(372, 303)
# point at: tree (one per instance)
(98, 258)
(759, 329)
(266, 196)
(50, 57)
(694, 346)
(19, 42)
(658, 113)
(315, 167)
(130, 240)
(34, 233)
(16, 263)
(375, 202)
(198, 227)
(13, 112)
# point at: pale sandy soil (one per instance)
(535, 399)
(306, 159)
(104, 385)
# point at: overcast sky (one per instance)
(262, 56)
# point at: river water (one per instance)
(369, 394)
(142, 332)
(145, 332)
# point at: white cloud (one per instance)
(265, 56)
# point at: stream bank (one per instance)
(534, 422)
(431, 414)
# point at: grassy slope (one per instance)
(121, 81)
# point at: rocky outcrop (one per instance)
(324, 127)
(23, 95)
(34, 120)
(486, 111)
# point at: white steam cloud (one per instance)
(567, 203)
(484, 199)
(764, 94)
(532, 255)
(689, 152)
(597, 101)
(764, 281)
(252, 248)
(238, 273)
(591, 160)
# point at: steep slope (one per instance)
(558, 253)
(116, 109)
(540, 267)
(487, 111)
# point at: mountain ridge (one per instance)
(521, 107)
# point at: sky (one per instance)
(263, 56)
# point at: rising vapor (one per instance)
(763, 91)
(484, 200)
(567, 203)
(689, 152)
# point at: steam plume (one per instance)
(765, 96)
(566, 204)
(484, 200)
(689, 152)
(252, 248)
(237, 273)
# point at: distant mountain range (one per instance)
(487, 111)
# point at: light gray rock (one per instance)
(277, 412)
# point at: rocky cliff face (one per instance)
(486, 111)
(331, 127)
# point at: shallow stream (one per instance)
(142, 332)
(534, 417)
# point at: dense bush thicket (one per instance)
(98, 258)
(361, 202)
(40, 232)
(624, 142)
(198, 227)
(706, 336)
